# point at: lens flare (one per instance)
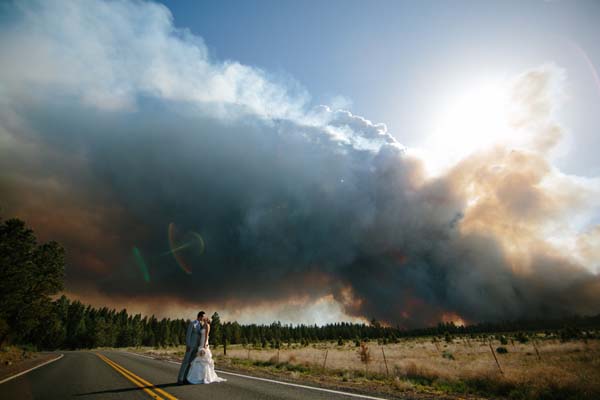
(190, 244)
(139, 260)
(199, 240)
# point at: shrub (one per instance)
(365, 354)
(416, 374)
(448, 337)
(521, 337)
(501, 350)
(274, 359)
(569, 333)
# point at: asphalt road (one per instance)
(120, 375)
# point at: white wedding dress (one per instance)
(203, 366)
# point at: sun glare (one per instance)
(474, 119)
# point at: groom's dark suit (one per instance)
(192, 342)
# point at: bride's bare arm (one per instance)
(207, 332)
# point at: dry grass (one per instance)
(564, 370)
(13, 354)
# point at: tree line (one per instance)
(73, 325)
(31, 273)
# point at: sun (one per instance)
(475, 118)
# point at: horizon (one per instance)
(457, 324)
(309, 163)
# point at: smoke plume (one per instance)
(115, 125)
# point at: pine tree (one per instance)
(29, 274)
(215, 330)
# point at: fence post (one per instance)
(387, 371)
(536, 350)
(495, 358)
(325, 361)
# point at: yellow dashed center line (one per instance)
(140, 382)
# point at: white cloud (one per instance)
(112, 53)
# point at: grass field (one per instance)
(542, 368)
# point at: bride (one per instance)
(203, 366)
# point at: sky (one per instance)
(309, 162)
(400, 62)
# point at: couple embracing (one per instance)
(198, 365)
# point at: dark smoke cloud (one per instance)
(114, 125)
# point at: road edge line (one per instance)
(361, 396)
(31, 369)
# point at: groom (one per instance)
(192, 342)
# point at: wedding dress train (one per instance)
(203, 366)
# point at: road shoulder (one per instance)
(15, 369)
(364, 388)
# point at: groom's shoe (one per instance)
(179, 383)
(186, 382)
